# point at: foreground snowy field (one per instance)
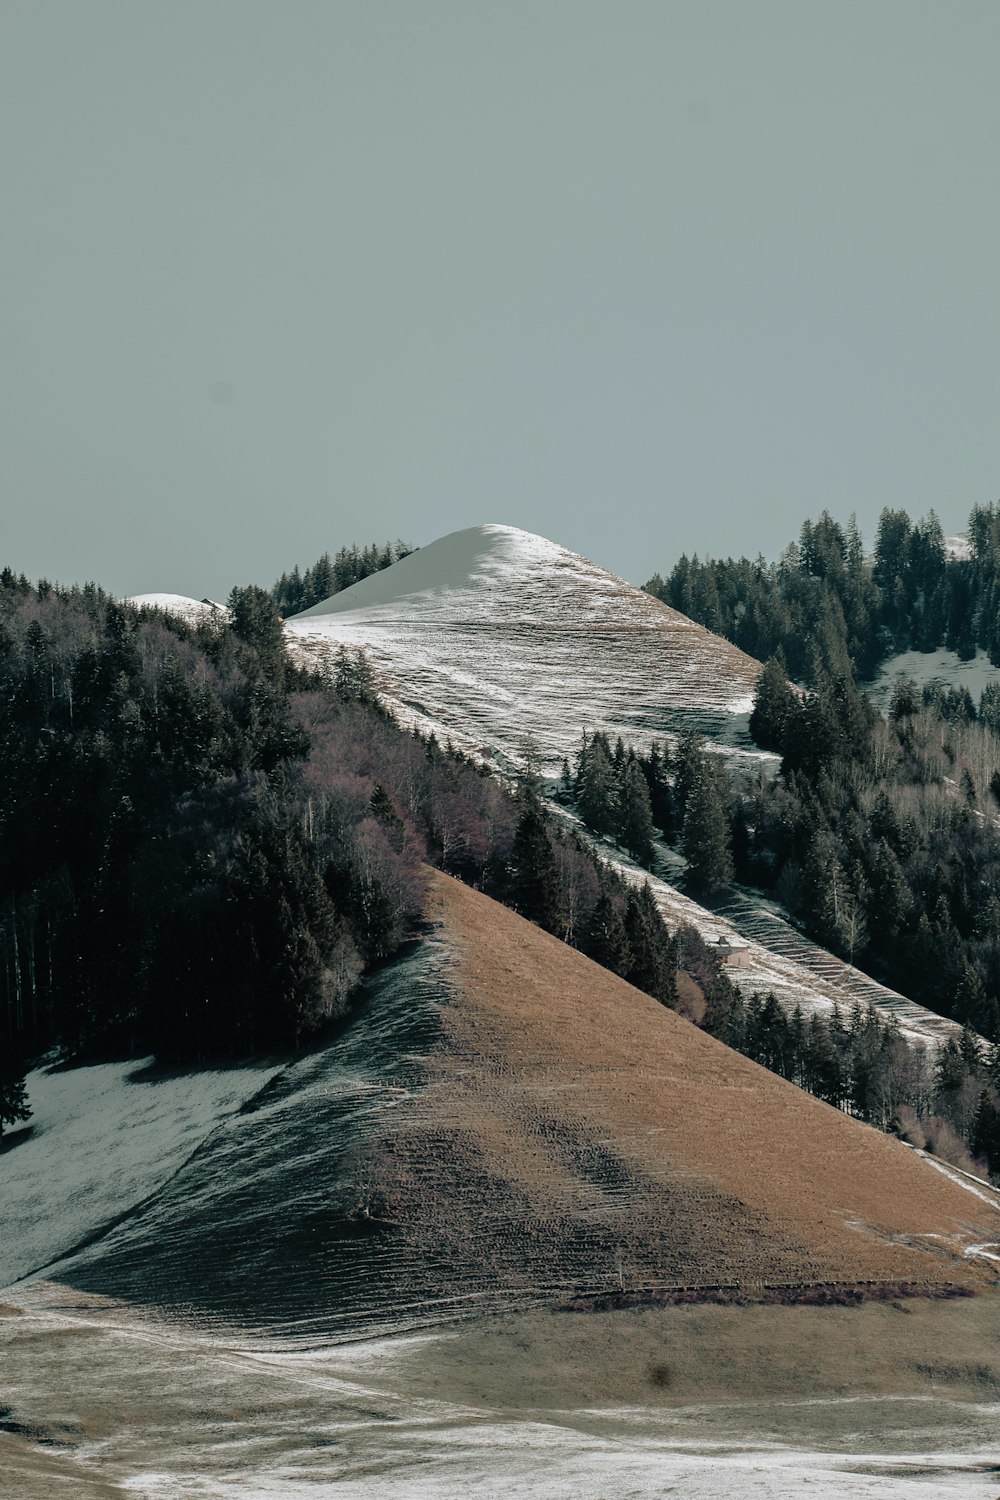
(149, 1412)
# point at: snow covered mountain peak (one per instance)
(179, 604)
(485, 561)
(495, 637)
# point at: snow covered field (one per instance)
(933, 668)
(161, 1414)
(100, 1142)
(226, 1197)
(179, 604)
(506, 641)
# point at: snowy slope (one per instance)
(101, 1141)
(502, 640)
(179, 604)
(498, 637)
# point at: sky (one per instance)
(646, 278)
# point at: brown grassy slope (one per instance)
(573, 1131)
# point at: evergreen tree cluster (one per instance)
(203, 846)
(628, 797)
(947, 1103)
(618, 794)
(301, 589)
(825, 606)
(881, 834)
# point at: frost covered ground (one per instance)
(161, 1415)
(505, 640)
(101, 1140)
(933, 668)
(179, 604)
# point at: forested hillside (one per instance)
(824, 604)
(880, 835)
(202, 846)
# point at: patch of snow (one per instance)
(742, 705)
(100, 1144)
(179, 604)
(973, 1185)
(958, 547)
(939, 668)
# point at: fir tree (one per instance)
(656, 769)
(985, 1140)
(635, 829)
(651, 963)
(774, 703)
(607, 942)
(534, 873)
(705, 840)
(14, 1107)
(596, 789)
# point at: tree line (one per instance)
(946, 1102)
(825, 605)
(300, 588)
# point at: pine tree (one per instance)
(823, 1068)
(986, 1133)
(596, 785)
(255, 621)
(635, 830)
(651, 955)
(774, 703)
(705, 839)
(656, 769)
(687, 769)
(14, 1106)
(534, 872)
(607, 942)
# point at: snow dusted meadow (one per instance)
(940, 668)
(100, 1142)
(193, 610)
(160, 1413)
(512, 644)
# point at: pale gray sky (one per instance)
(643, 277)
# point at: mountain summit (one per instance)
(501, 636)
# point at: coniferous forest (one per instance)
(203, 846)
(302, 588)
(880, 834)
(827, 606)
